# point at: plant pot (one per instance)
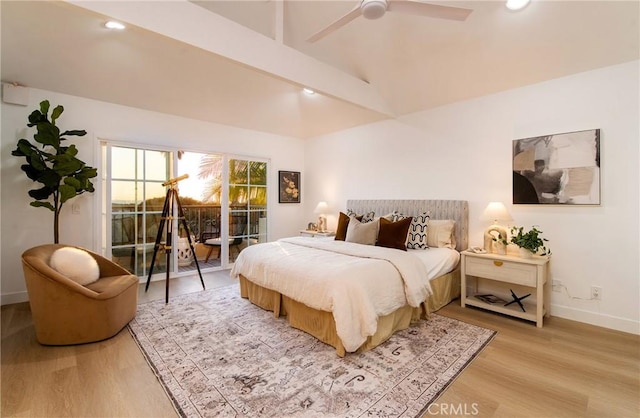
(524, 253)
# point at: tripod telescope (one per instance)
(171, 201)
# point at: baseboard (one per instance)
(16, 297)
(598, 319)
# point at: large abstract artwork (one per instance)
(562, 169)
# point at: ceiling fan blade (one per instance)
(428, 10)
(355, 12)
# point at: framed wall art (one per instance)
(289, 186)
(559, 169)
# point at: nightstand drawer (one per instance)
(505, 271)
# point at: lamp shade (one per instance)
(496, 211)
(322, 208)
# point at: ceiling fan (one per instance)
(375, 9)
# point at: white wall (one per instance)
(463, 151)
(23, 226)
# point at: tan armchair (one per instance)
(65, 312)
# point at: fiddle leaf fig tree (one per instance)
(60, 174)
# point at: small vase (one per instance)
(524, 253)
(500, 248)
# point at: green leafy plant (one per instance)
(530, 240)
(60, 173)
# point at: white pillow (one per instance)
(362, 233)
(441, 233)
(76, 264)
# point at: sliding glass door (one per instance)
(136, 200)
(247, 204)
(224, 202)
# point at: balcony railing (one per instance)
(133, 242)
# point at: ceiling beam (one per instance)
(191, 24)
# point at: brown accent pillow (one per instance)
(341, 230)
(343, 223)
(394, 234)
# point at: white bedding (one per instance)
(357, 283)
(438, 261)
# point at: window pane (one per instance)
(123, 229)
(156, 165)
(258, 173)
(238, 224)
(257, 197)
(124, 196)
(148, 228)
(123, 163)
(256, 227)
(238, 196)
(155, 196)
(238, 171)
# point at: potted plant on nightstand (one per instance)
(530, 242)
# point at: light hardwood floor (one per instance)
(565, 369)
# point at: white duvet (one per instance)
(356, 283)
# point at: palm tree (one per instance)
(241, 173)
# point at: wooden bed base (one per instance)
(321, 324)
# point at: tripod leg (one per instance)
(186, 228)
(156, 247)
(168, 244)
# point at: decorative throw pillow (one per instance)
(417, 238)
(441, 233)
(341, 230)
(389, 216)
(361, 233)
(76, 264)
(367, 217)
(343, 222)
(395, 216)
(393, 234)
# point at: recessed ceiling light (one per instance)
(516, 4)
(114, 25)
(308, 90)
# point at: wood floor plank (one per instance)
(565, 369)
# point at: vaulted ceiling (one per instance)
(243, 63)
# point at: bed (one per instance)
(359, 306)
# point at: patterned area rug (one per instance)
(216, 354)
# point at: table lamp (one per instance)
(495, 212)
(321, 210)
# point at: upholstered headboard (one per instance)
(457, 210)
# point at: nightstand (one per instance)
(316, 234)
(530, 275)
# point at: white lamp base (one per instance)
(322, 223)
(496, 247)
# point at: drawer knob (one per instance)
(497, 263)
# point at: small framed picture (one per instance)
(289, 186)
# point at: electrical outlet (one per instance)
(596, 293)
(556, 285)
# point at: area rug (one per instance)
(216, 354)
